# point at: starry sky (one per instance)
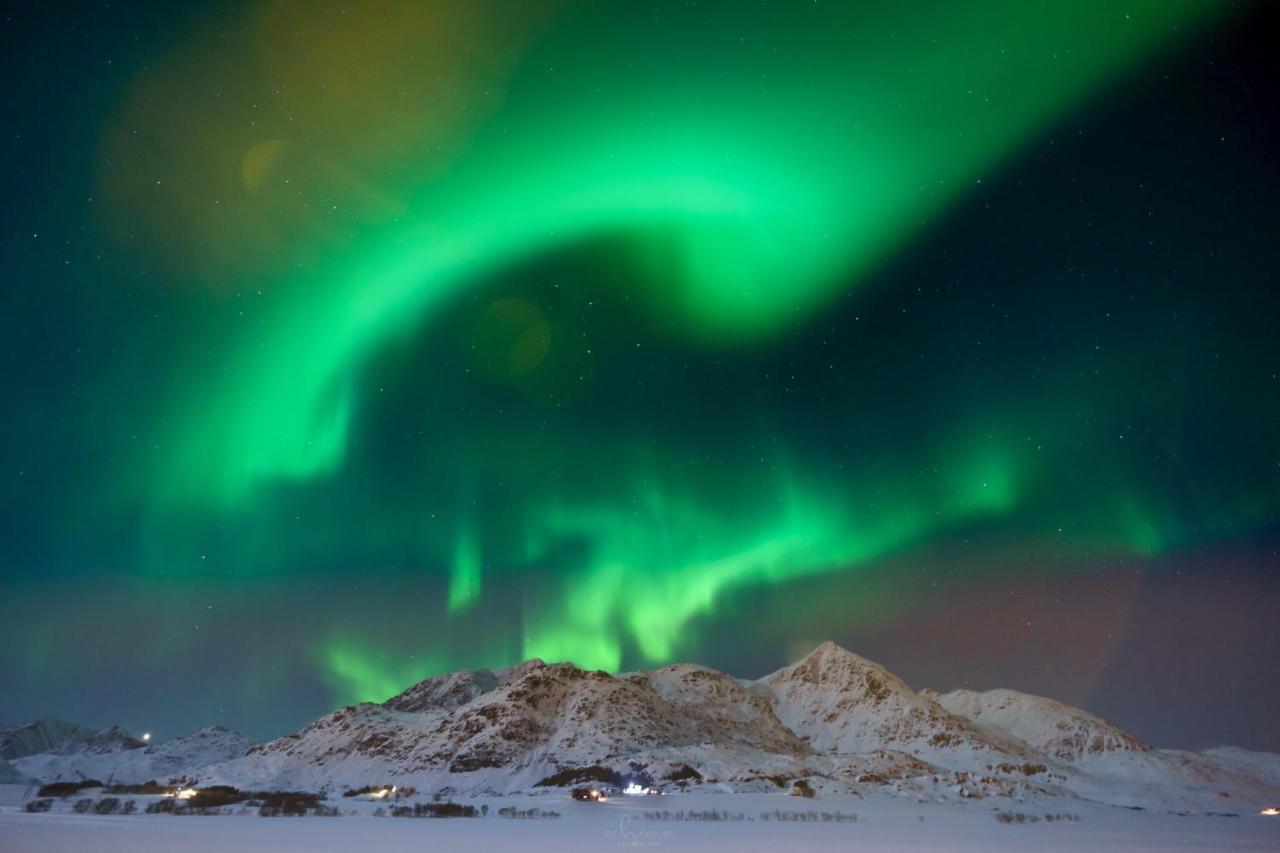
(347, 344)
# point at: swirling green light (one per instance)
(755, 176)
(753, 166)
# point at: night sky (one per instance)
(347, 344)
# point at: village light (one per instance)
(146, 736)
(1270, 812)
(186, 793)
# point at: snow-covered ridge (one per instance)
(841, 703)
(114, 755)
(40, 736)
(1047, 725)
(843, 722)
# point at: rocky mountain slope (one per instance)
(117, 756)
(1048, 726)
(841, 721)
(534, 721)
(40, 736)
(842, 704)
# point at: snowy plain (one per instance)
(882, 824)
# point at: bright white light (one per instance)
(186, 793)
(146, 736)
(633, 790)
(1270, 812)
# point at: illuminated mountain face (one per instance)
(420, 336)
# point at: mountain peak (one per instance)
(843, 703)
(454, 689)
(834, 666)
(38, 736)
(829, 650)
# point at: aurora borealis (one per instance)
(353, 344)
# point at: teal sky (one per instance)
(348, 346)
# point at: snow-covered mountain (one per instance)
(841, 721)
(40, 736)
(533, 721)
(9, 774)
(117, 756)
(1048, 726)
(844, 704)
(1110, 764)
(1263, 765)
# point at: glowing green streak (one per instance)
(655, 570)
(464, 582)
(754, 181)
(360, 673)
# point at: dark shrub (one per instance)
(367, 789)
(129, 807)
(107, 805)
(288, 802)
(527, 814)
(37, 806)
(153, 787)
(83, 806)
(164, 806)
(66, 789)
(434, 810)
(58, 789)
(196, 811)
(448, 810)
(582, 775)
(801, 789)
(801, 817)
(216, 796)
(684, 773)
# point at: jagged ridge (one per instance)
(834, 717)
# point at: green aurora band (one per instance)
(749, 223)
(749, 173)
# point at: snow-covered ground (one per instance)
(883, 823)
